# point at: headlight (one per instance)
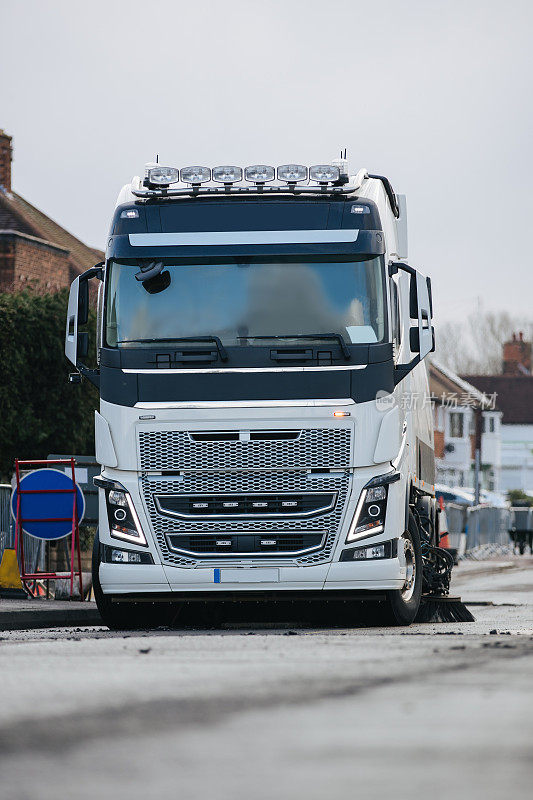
(162, 176)
(117, 498)
(259, 173)
(369, 517)
(195, 175)
(227, 174)
(123, 520)
(324, 173)
(292, 173)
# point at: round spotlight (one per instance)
(227, 174)
(259, 173)
(292, 173)
(195, 175)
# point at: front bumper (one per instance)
(381, 574)
(271, 575)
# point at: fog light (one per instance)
(125, 557)
(377, 551)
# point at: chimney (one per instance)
(517, 356)
(6, 156)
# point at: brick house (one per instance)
(514, 390)
(34, 250)
(454, 406)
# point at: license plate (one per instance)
(259, 575)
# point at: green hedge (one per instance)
(40, 412)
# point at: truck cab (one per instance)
(264, 428)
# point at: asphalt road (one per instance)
(443, 711)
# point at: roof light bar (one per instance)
(162, 176)
(292, 173)
(227, 174)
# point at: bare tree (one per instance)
(475, 347)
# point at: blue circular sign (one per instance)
(55, 503)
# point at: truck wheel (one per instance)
(118, 616)
(402, 604)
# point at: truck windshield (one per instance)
(238, 299)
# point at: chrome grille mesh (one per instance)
(315, 448)
(298, 480)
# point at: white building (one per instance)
(455, 403)
(514, 397)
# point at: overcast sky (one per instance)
(435, 95)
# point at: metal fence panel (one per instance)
(455, 517)
(487, 525)
(34, 549)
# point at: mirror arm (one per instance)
(402, 370)
(94, 272)
(92, 375)
(395, 266)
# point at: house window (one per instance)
(456, 425)
(489, 424)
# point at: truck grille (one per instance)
(224, 506)
(218, 451)
(174, 534)
(246, 544)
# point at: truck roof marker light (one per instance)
(227, 175)
(324, 173)
(292, 173)
(259, 174)
(162, 176)
(195, 175)
(342, 414)
(129, 213)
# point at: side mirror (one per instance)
(83, 344)
(77, 342)
(83, 302)
(421, 334)
(71, 334)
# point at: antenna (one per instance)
(157, 158)
(345, 154)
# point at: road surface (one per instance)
(256, 713)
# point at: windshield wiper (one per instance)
(338, 336)
(220, 347)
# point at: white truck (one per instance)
(261, 343)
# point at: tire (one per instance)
(402, 605)
(123, 616)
